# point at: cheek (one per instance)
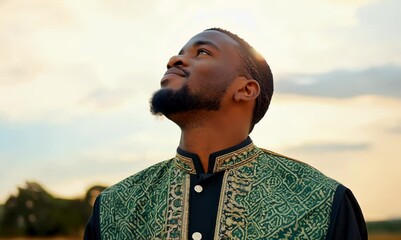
(213, 75)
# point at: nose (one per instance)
(177, 60)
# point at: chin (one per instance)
(183, 119)
(173, 85)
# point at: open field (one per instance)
(385, 237)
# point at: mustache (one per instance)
(178, 70)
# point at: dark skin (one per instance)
(210, 59)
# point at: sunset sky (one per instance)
(76, 78)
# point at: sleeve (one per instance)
(92, 229)
(346, 219)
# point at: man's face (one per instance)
(198, 77)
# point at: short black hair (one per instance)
(255, 67)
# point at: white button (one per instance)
(196, 236)
(198, 189)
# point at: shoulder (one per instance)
(346, 218)
(148, 177)
(293, 170)
(286, 160)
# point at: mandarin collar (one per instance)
(218, 161)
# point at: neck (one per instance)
(207, 139)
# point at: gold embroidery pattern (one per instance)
(274, 198)
(185, 163)
(177, 202)
(223, 162)
(148, 205)
(234, 159)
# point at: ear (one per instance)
(248, 91)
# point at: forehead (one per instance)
(223, 42)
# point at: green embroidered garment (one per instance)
(257, 194)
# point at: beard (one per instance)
(167, 101)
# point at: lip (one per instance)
(171, 73)
(175, 71)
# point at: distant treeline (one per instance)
(35, 212)
(390, 226)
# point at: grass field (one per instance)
(385, 237)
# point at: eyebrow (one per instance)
(199, 43)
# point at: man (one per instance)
(220, 185)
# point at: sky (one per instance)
(76, 78)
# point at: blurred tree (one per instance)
(35, 212)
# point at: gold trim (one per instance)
(187, 161)
(166, 223)
(185, 211)
(229, 160)
(220, 207)
(174, 214)
(223, 161)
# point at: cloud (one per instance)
(329, 147)
(63, 60)
(382, 80)
(107, 98)
(395, 128)
(53, 95)
(353, 2)
(22, 24)
(380, 21)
